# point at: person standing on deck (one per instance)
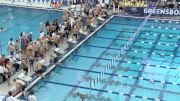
(10, 97)
(23, 40)
(32, 97)
(11, 41)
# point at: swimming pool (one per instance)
(16, 20)
(149, 70)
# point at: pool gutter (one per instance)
(63, 58)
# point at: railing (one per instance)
(34, 3)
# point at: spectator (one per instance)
(38, 67)
(2, 59)
(11, 41)
(25, 65)
(30, 52)
(16, 46)
(47, 23)
(30, 37)
(19, 84)
(2, 72)
(8, 70)
(11, 49)
(32, 97)
(41, 27)
(10, 97)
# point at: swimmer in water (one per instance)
(9, 18)
(1, 29)
(82, 96)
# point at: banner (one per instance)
(162, 11)
(157, 11)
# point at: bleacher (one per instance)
(48, 4)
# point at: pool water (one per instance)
(15, 20)
(149, 69)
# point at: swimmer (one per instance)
(82, 96)
(10, 17)
(1, 29)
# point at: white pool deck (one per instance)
(4, 88)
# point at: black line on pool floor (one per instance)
(143, 64)
(136, 46)
(147, 42)
(146, 26)
(142, 70)
(144, 33)
(119, 64)
(133, 52)
(123, 76)
(91, 67)
(161, 95)
(100, 90)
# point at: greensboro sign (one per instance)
(162, 11)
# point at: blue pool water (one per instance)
(16, 20)
(149, 71)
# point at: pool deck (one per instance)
(4, 86)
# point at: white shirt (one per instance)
(41, 34)
(72, 21)
(18, 56)
(106, 1)
(11, 42)
(12, 60)
(1, 70)
(54, 34)
(32, 98)
(10, 98)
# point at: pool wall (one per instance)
(152, 17)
